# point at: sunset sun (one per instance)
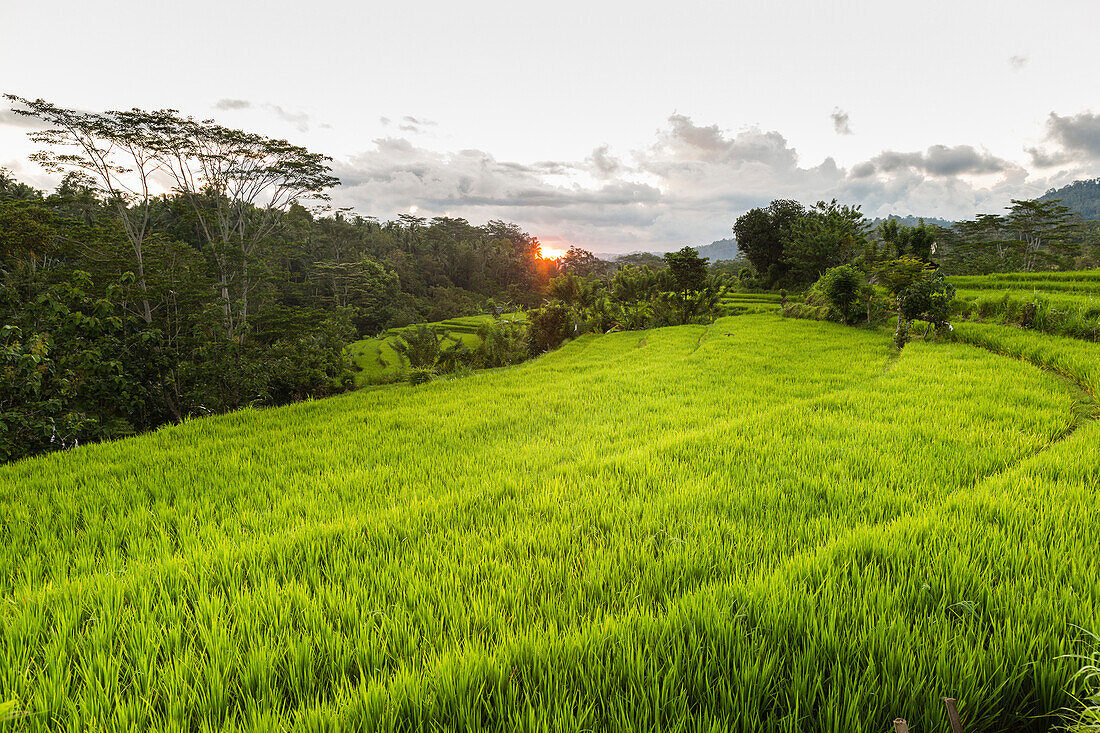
(551, 253)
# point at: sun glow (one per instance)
(551, 253)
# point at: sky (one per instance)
(615, 127)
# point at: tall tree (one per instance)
(687, 269)
(115, 152)
(1047, 234)
(762, 234)
(829, 235)
(918, 241)
(237, 184)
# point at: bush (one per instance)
(420, 375)
(502, 344)
(548, 327)
(928, 299)
(842, 286)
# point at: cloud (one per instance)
(232, 104)
(1076, 137)
(300, 120)
(840, 122)
(939, 160)
(411, 124)
(1018, 62)
(12, 119)
(686, 187)
(602, 163)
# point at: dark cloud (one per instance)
(938, 160)
(863, 170)
(1076, 137)
(1018, 62)
(232, 104)
(840, 122)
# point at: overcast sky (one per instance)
(613, 126)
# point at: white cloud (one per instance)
(687, 186)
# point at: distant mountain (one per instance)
(1080, 196)
(723, 249)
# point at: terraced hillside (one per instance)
(1061, 303)
(378, 363)
(763, 524)
(736, 304)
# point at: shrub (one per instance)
(548, 327)
(928, 299)
(502, 344)
(842, 286)
(420, 375)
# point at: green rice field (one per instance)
(747, 303)
(765, 524)
(1059, 303)
(377, 363)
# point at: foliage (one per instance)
(687, 270)
(502, 343)
(762, 235)
(243, 284)
(76, 368)
(1033, 236)
(927, 299)
(581, 262)
(420, 375)
(633, 298)
(828, 235)
(843, 286)
(549, 326)
(420, 347)
(917, 242)
(898, 274)
(678, 308)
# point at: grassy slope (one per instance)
(766, 524)
(378, 363)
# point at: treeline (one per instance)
(790, 245)
(122, 309)
(851, 272)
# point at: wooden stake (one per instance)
(900, 726)
(953, 715)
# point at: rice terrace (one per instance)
(746, 378)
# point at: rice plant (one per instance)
(764, 524)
